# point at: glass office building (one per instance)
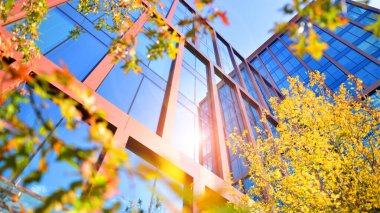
(352, 51)
(182, 111)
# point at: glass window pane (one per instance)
(54, 30)
(59, 174)
(120, 88)
(192, 124)
(183, 13)
(80, 56)
(232, 122)
(274, 69)
(146, 107)
(225, 57)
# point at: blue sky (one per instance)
(251, 21)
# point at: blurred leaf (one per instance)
(375, 27)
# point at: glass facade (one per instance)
(254, 119)
(274, 69)
(291, 64)
(183, 13)
(60, 174)
(233, 123)
(59, 48)
(262, 90)
(249, 84)
(225, 57)
(354, 62)
(164, 7)
(141, 96)
(361, 38)
(192, 125)
(257, 65)
(206, 45)
(360, 14)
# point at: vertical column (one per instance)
(223, 166)
(265, 91)
(216, 49)
(166, 123)
(244, 115)
(236, 67)
(256, 87)
(267, 71)
(278, 62)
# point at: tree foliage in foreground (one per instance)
(326, 156)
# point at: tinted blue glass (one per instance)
(195, 64)
(286, 39)
(140, 95)
(146, 107)
(375, 100)
(60, 174)
(49, 111)
(289, 61)
(225, 57)
(254, 119)
(120, 88)
(164, 7)
(247, 183)
(27, 114)
(351, 60)
(334, 76)
(257, 65)
(236, 79)
(90, 16)
(160, 66)
(273, 129)
(187, 84)
(248, 83)
(80, 56)
(360, 15)
(183, 13)
(274, 70)
(266, 98)
(54, 30)
(271, 92)
(206, 45)
(364, 40)
(232, 122)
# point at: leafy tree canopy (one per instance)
(324, 156)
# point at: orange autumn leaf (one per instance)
(223, 17)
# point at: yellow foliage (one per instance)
(326, 158)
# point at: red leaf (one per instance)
(223, 16)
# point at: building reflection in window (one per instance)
(192, 125)
(232, 123)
